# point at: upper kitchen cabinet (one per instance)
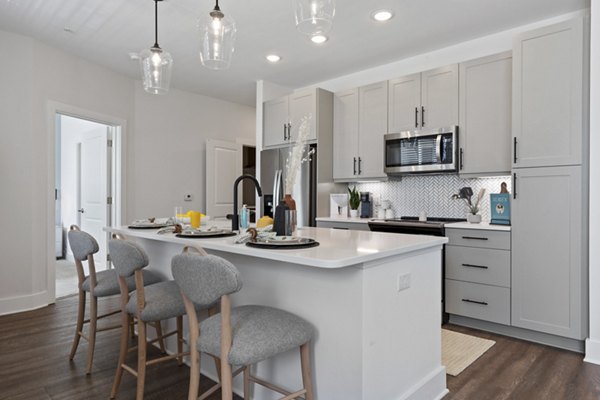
(345, 134)
(425, 100)
(282, 117)
(485, 115)
(360, 121)
(549, 83)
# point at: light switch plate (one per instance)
(403, 281)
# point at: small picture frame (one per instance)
(500, 208)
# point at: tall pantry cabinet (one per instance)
(550, 170)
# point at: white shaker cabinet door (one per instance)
(372, 121)
(439, 97)
(303, 106)
(345, 134)
(275, 120)
(548, 95)
(485, 115)
(404, 103)
(548, 284)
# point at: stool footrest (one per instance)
(268, 385)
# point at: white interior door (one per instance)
(223, 166)
(93, 189)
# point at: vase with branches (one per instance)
(466, 194)
(298, 154)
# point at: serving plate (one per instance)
(147, 225)
(206, 234)
(283, 242)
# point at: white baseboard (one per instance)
(433, 386)
(12, 305)
(592, 351)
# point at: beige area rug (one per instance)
(460, 350)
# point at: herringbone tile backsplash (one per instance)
(410, 195)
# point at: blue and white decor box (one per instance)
(500, 208)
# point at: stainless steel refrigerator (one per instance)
(272, 178)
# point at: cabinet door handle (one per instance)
(284, 132)
(359, 164)
(514, 150)
(514, 185)
(475, 238)
(416, 117)
(289, 125)
(461, 158)
(339, 227)
(483, 303)
(422, 116)
(354, 167)
(475, 266)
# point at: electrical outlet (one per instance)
(187, 197)
(403, 281)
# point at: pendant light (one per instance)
(156, 63)
(314, 17)
(217, 33)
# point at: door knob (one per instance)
(81, 210)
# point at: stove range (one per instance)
(434, 226)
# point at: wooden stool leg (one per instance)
(180, 339)
(125, 320)
(306, 374)
(159, 335)
(79, 328)
(92, 341)
(141, 370)
(194, 372)
(226, 381)
(247, 382)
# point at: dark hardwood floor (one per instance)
(34, 348)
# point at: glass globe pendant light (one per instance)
(217, 33)
(314, 17)
(156, 63)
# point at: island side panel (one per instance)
(402, 327)
(330, 299)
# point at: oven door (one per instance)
(425, 151)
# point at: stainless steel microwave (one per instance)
(422, 151)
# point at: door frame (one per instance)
(118, 179)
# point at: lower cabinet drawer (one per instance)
(472, 264)
(474, 300)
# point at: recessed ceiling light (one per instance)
(382, 15)
(273, 58)
(318, 39)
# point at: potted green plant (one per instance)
(466, 193)
(354, 201)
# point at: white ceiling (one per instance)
(106, 31)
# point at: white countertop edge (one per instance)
(226, 245)
(481, 226)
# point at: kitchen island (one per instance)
(374, 299)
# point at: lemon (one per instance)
(264, 221)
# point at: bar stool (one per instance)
(148, 304)
(97, 284)
(258, 332)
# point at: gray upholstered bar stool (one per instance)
(241, 336)
(148, 304)
(97, 284)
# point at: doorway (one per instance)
(84, 196)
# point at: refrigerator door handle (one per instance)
(276, 188)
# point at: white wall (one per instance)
(167, 152)
(34, 79)
(592, 347)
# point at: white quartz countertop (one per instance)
(337, 249)
(486, 226)
(356, 220)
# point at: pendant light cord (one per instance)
(217, 5)
(156, 24)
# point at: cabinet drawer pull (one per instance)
(339, 227)
(475, 266)
(514, 150)
(483, 303)
(475, 238)
(359, 166)
(422, 116)
(354, 167)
